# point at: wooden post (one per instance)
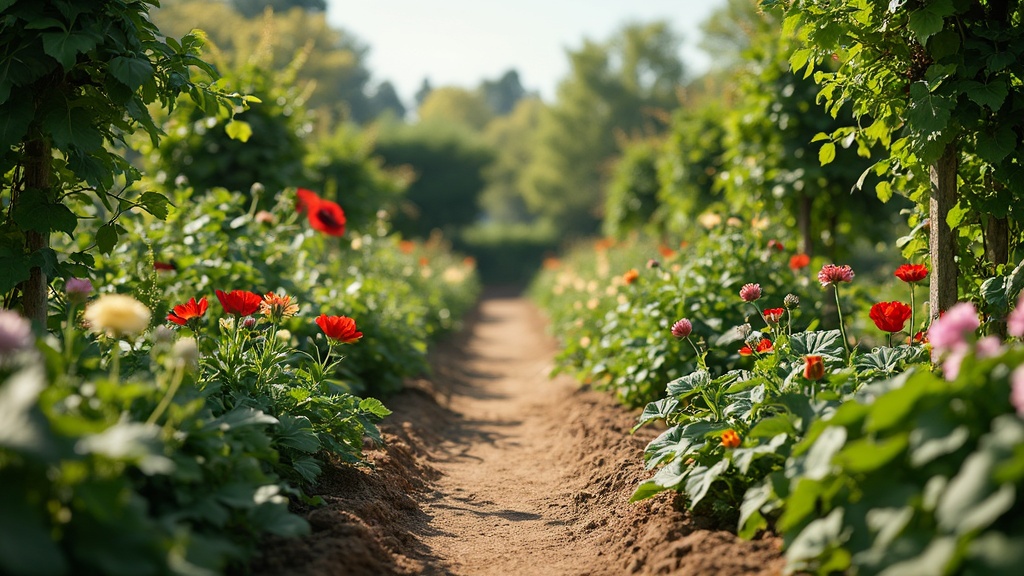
(942, 244)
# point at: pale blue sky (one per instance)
(459, 42)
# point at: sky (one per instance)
(461, 42)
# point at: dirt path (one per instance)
(493, 468)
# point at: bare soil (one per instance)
(492, 468)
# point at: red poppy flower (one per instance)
(911, 273)
(799, 261)
(339, 328)
(890, 316)
(814, 367)
(765, 345)
(730, 439)
(164, 266)
(324, 216)
(239, 302)
(189, 313)
(773, 315)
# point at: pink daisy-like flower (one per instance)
(832, 274)
(682, 328)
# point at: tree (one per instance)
(512, 138)
(423, 92)
(253, 8)
(78, 78)
(385, 99)
(447, 160)
(502, 95)
(334, 70)
(622, 87)
(937, 83)
(454, 104)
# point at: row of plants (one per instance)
(798, 403)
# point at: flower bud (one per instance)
(814, 367)
(791, 301)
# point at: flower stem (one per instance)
(700, 358)
(913, 309)
(176, 377)
(842, 327)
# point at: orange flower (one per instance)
(552, 263)
(406, 246)
(339, 328)
(666, 252)
(730, 439)
(277, 307)
(189, 313)
(630, 276)
(814, 367)
(799, 261)
(765, 345)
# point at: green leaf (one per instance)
(688, 385)
(34, 212)
(65, 47)
(751, 520)
(658, 410)
(72, 128)
(991, 95)
(238, 130)
(928, 112)
(971, 500)
(933, 438)
(131, 71)
(778, 424)
(132, 441)
(15, 117)
(928, 20)
(106, 237)
(819, 343)
(700, 479)
(995, 146)
(818, 536)
(27, 546)
(818, 462)
(891, 408)
(307, 467)
(240, 417)
(866, 454)
(156, 204)
(296, 432)
(956, 215)
(374, 406)
(23, 427)
(884, 190)
(827, 153)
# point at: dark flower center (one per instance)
(327, 217)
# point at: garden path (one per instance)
(492, 468)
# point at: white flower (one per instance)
(117, 316)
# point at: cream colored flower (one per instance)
(117, 316)
(186, 351)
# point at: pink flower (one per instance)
(682, 328)
(949, 331)
(750, 292)
(988, 347)
(15, 333)
(78, 289)
(1015, 321)
(831, 275)
(1017, 390)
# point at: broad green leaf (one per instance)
(957, 214)
(778, 424)
(997, 554)
(827, 153)
(818, 462)
(307, 467)
(991, 95)
(374, 406)
(238, 130)
(106, 237)
(241, 416)
(275, 518)
(993, 294)
(934, 438)
(296, 432)
(27, 546)
(34, 212)
(156, 204)
(819, 343)
(23, 427)
(658, 410)
(14, 120)
(72, 128)
(994, 147)
(751, 520)
(884, 190)
(700, 479)
(13, 271)
(817, 537)
(928, 20)
(688, 385)
(65, 47)
(886, 360)
(133, 441)
(131, 71)
(866, 454)
(928, 112)
(933, 560)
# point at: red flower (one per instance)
(324, 216)
(831, 275)
(189, 313)
(814, 367)
(765, 345)
(239, 302)
(911, 273)
(730, 439)
(799, 261)
(773, 315)
(890, 316)
(164, 266)
(339, 328)
(776, 245)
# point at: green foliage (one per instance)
(622, 86)
(447, 160)
(633, 191)
(617, 334)
(917, 472)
